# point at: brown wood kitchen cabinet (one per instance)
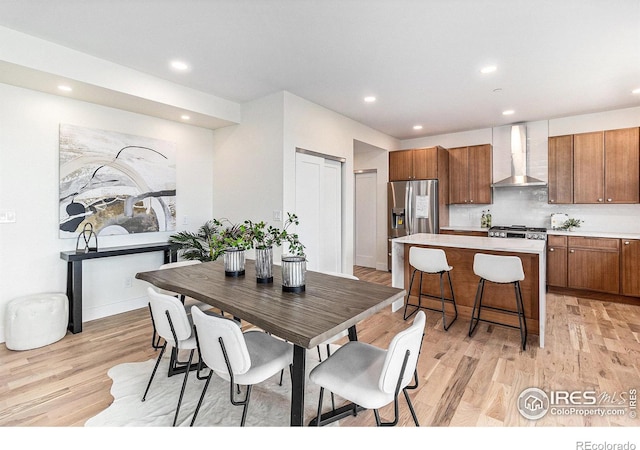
(606, 167)
(593, 264)
(415, 164)
(561, 169)
(470, 175)
(630, 267)
(557, 261)
(464, 233)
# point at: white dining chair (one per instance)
(243, 359)
(175, 330)
(371, 377)
(188, 302)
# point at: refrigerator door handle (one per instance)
(409, 212)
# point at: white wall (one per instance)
(30, 247)
(313, 127)
(528, 206)
(248, 165)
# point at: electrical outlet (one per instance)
(128, 282)
(277, 216)
(185, 220)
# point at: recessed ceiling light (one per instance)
(417, 127)
(508, 112)
(185, 117)
(179, 65)
(370, 99)
(65, 88)
(488, 69)
(636, 91)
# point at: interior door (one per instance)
(365, 218)
(319, 208)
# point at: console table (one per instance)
(74, 272)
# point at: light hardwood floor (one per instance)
(591, 345)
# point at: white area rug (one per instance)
(270, 403)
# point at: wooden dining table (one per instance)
(329, 305)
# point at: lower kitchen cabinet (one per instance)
(557, 261)
(630, 267)
(593, 264)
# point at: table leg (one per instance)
(74, 294)
(297, 385)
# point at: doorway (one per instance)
(366, 185)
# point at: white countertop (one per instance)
(475, 242)
(578, 232)
(602, 234)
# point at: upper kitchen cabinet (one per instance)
(470, 174)
(622, 165)
(561, 169)
(606, 166)
(415, 164)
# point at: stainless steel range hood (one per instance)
(519, 161)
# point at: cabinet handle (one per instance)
(609, 200)
(470, 201)
(600, 200)
(571, 251)
(551, 201)
(626, 242)
(551, 249)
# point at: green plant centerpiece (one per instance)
(571, 223)
(264, 237)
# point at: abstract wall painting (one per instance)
(121, 184)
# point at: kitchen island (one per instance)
(460, 251)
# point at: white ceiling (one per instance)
(420, 58)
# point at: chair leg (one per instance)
(413, 413)
(521, 319)
(406, 305)
(204, 390)
(153, 373)
(477, 304)
(184, 385)
(320, 406)
(453, 300)
(246, 406)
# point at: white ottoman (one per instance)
(36, 320)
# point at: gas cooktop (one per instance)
(518, 231)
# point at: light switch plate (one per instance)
(277, 216)
(7, 216)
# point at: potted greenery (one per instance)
(216, 237)
(294, 264)
(203, 245)
(570, 224)
(235, 240)
(263, 238)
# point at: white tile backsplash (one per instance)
(528, 206)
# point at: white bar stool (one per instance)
(430, 261)
(501, 270)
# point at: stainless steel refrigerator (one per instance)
(412, 208)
